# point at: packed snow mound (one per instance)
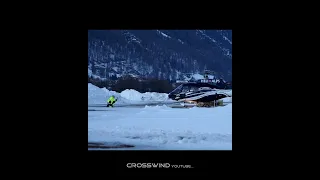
(131, 94)
(134, 95)
(98, 95)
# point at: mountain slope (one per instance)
(163, 54)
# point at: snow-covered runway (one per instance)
(160, 127)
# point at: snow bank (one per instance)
(134, 95)
(131, 94)
(98, 95)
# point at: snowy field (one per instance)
(157, 127)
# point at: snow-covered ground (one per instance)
(158, 127)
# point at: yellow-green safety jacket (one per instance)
(112, 100)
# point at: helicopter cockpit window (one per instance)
(205, 88)
(177, 90)
(193, 88)
(185, 89)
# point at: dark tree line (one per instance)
(128, 82)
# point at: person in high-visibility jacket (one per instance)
(111, 101)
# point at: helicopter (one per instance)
(203, 92)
